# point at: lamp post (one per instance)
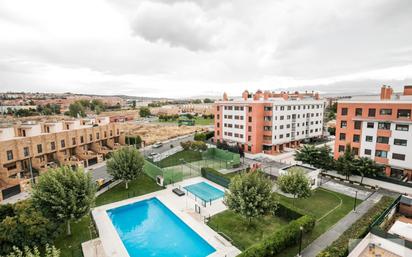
(300, 241)
(354, 203)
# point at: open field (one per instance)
(82, 231)
(199, 121)
(152, 133)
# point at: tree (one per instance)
(21, 224)
(207, 101)
(200, 137)
(345, 163)
(324, 159)
(295, 182)
(126, 164)
(76, 109)
(50, 251)
(307, 154)
(64, 194)
(250, 195)
(365, 166)
(144, 112)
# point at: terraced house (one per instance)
(378, 127)
(267, 121)
(27, 149)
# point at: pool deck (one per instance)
(183, 207)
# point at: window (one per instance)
(250, 118)
(342, 136)
(267, 128)
(357, 124)
(26, 151)
(385, 111)
(369, 138)
(10, 155)
(384, 125)
(398, 156)
(97, 135)
(250, 108)
(380, 153)
(343, 124)
(281, 117)
(370, 125)
(356, 138)
(268, 118)
(63, 143)
(371, 112)
(401, 142)
(82, 139)
(90, 137)
(358, 111)
(344, 111)
(39, 148)
(53, 146)
(404, 113)
(355, 151)
(267, 108)
(341, 148)
(402, 127)
(249, 129)
(368, 151)
(382, 140)
(73, 141)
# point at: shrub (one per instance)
(359, 229)
(288, 212)
(281, 239)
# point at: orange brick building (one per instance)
(379, 128)
(39, 146)
(267, 121)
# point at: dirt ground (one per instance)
(152, 133)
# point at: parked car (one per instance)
(157, 145)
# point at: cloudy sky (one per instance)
(179, 48)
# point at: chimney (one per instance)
(386, 92)
(245, 95)
(225, 98)
(266, 95)
(407, 90)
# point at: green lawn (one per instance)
(237, 229)
(173, 160)
(319, 204)
(82, 231)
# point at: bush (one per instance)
(359, 229)
(288, 212)
(194, 145)
(281, 239)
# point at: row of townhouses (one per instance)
(28, 149)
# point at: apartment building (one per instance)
(267, 121)
(31, 148)
(378, 127)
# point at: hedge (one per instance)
(281, 239)
(339, 248)
(215, 176)
(288, 212)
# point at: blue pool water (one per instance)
(205, 191)
(149, 228)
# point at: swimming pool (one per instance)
(205, 191)
(149, 228)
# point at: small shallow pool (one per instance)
(205, 191)
(149, 228)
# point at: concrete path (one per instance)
(336, 230)
(373, 182)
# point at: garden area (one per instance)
(83, 230)
(326, 207)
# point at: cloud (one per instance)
(182, 24)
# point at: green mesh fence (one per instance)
(152, 170)
(231, 159)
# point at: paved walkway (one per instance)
(336, 230)
(373, 182)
